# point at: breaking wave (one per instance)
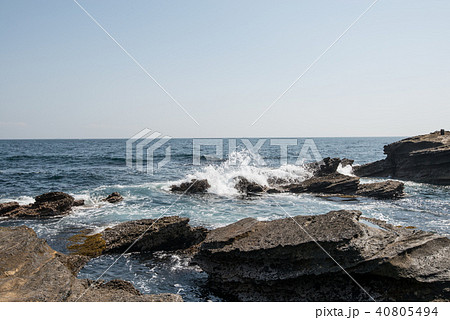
(222, 177)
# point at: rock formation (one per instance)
(424, 158)
(248, 187)
(113, 198)
(46, 205)
(287, 260)
(342, 185)
(31, 271)
(194, 186)
(167, 233)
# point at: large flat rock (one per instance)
(283, 259)
(145, 235)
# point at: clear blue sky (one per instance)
(225, 61)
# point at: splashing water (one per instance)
(223, 177)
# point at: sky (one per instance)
(225, 62)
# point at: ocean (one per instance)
(92, 169)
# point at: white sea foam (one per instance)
(347, 170)
(222, 177)
(24, 200)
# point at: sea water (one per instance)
(92, 169)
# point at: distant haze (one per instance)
(225, 62)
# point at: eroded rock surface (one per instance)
(32, 271)
(194, 186)
(334, 183)
(46, 205)
(113, 198)
(167, 233)
(381, 190)
(278, 260)
(248, 187)
(424, 158)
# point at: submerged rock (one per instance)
(289, 260)
(46, 205)
(113, 198)
(167, 233)
(194, 186)
(32, 271)
(424, 158)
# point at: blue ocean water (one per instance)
(92, 169)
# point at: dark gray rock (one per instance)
(194, 186)
(167, 233)
(6, 208)
(424, 158)
(327, 166)
(381, 190)
(32, 271)
(335, 183)
(248, 187)
(46, 205)
(113, 198)
(78, 203)
(283, 260)
(347, 162)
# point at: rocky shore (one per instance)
(424, 158)
(325, 180)
(303, 259)
(32, 271)
(338, 256)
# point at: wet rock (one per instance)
(248, 187)
(335, 183)
(7, 207)
(46, 205)
(342, 185)
(327, 166)
(32, 271)
(194, 186)
(167, 233)
(113, 198)
(347, 162)
(285, 260)
(381, 190)
(118, 291)
(78, 203)
(424, 158)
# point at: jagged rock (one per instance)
(194, 186)
(327, 166)
(248, 187)
(7, 207)
(166, 233)
(118, 291)
(343, 185)
(285, 260)
(32, 271)
(46, 205)
(335, 183)
(113, 198)
(424, 158)
(347, 162)
(381, 190)
(78, 203)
